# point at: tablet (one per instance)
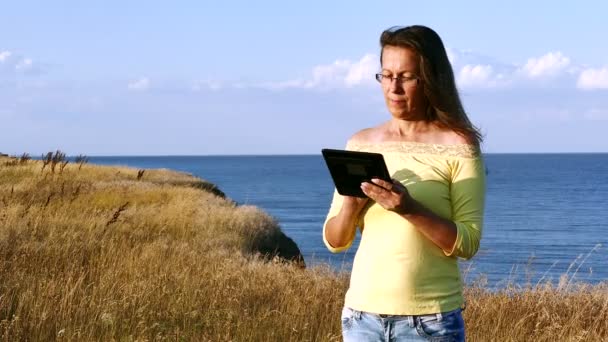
(349, 169)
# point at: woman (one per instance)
(405, 283)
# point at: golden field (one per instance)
(98, 253)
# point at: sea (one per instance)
(546, 215)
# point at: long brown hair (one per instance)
(437, 78)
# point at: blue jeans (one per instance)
(359, 326)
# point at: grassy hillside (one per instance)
(92, 252)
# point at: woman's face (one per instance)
(404, 96)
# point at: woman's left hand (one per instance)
(391, 196)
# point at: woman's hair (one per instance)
(437, 78)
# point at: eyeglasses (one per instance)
(401, 80)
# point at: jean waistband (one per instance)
(438, 314)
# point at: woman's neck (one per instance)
(401, 128)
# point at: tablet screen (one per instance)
(349, 169)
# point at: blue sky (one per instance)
(234, 77)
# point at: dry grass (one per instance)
(100, 253)
(541, 313)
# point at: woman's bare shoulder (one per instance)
(449, 137)
(368, 135)
(442, 135)
(364, 135)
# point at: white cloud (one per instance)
(16, 64)
(341, 73)
(25, 64)
(362, 71)
(476, 70)
(593, 79)
(461, 57)
(471, 70)
(4, 56)
(479, 71)
(481, 76)
(141, 84)
(330, 74)
(475, 75)
(547, 65)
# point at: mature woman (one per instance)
(405, 282)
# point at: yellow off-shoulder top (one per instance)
(396, 269)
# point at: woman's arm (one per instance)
(395, 197)
(340, 230)
(460, 236)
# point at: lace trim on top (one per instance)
(459, 150)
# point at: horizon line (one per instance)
(299, 154)
(271, 154)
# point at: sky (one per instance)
(278, 77)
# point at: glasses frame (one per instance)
(401, 80)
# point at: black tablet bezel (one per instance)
(349, 169)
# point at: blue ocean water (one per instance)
(546, 214)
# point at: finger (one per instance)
(366, 190)
(378, 194)
(372, 185)
(382, 183)
(372, 191)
